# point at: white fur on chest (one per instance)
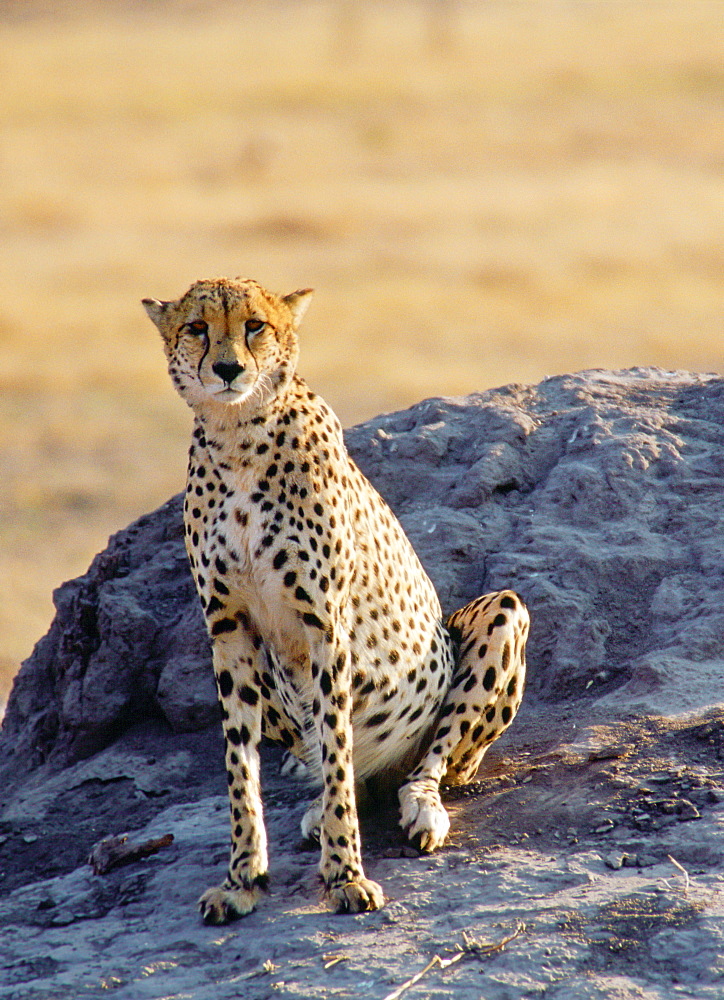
(233, 540)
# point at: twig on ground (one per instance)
(683, 871)
(115, 851)
(470, 946)
(330, 959)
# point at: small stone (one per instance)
(614, 860)
(704, 732)
(687, 810)
(30, 838)
(647, 861)
(668, 806)
(631, 861)
(607, 753)
(605, 827)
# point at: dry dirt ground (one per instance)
(587, 868)
(521, 189)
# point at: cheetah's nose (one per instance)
(227, 370)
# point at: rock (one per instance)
(127, 643)
(606, 827)
(186, 696)
(597, 496)
(686, 810)
(617, 860)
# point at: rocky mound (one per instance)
(599, 498)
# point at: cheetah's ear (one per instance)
(155, 309)
(298, 303)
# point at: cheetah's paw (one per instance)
(356, 897)
(293, 767)
(423, 817)
(312, 821)
(220, 906)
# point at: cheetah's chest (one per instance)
(233, 567)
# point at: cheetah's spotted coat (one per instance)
(327, 634)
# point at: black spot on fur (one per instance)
(309, 618)
(497, 622)
(214, 605)
(248, 695)
(223, 625)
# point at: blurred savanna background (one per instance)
(481, 192)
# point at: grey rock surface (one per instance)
(598, 497)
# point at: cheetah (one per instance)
(327, 634)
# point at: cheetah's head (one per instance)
(230, 343)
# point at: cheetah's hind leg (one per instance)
(482, 700)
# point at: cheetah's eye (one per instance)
(199, 328)
(253, 326)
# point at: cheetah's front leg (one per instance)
(482, 701)
(236, 669)
(348, 889)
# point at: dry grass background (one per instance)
(525, 189)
